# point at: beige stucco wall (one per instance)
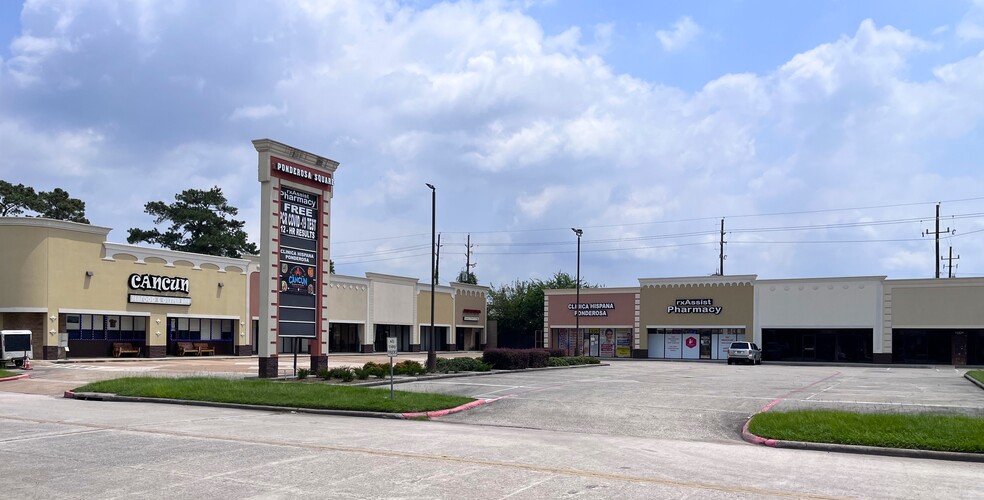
(470, 298)
(443, 311)
(348, 300)
(950, 303)
(392, 300)
(23, 266)
(735, 298)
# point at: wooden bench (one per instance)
(121, 348)
(204, 348)
(185, 348)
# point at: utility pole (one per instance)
(721, 255)
(949, 260)
(937, 234)
(468, 262)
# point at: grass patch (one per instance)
(274, 393)
(977, 375)
(8, 373)
(920, 432)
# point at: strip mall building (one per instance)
(79, 293)
(866, 319)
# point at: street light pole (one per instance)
(431, 353)
(577, 308)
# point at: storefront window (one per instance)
(106, 327)
(200, 329)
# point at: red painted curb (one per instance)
(15, 377)
(441, 413)
(69, 395)
(752, 438)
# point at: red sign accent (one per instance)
(691, 342)
(286, 169)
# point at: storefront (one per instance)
(81, 296)
(443, 318)
(694, 318)
(348, 315)
(935, 321)
(603, 324)
(822, 319)
(470, 305)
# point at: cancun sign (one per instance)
(158, 283)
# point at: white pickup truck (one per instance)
(15, 347)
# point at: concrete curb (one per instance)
(859, 450)
(98, 396)
(974, 380)
(16, 377)
(441, 413)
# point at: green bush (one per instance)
(361, 373)
(342, 373)
(323, 373)
(377, 370)
(573, 360)
(409, 367)
(454, 365)
(302, 373)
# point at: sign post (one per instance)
(296, 188)
(391, 352)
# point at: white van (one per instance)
(15, 347)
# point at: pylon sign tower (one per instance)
(295, 213)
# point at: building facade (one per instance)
(862, 319)
(79, 294)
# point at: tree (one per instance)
(200, 222)
(518, 308)
(55, 204)
(331, 266)
(15, 199)
(467, 277)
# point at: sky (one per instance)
(823, 133)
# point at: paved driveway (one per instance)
(694, 401)
(698, 401)
(633, 430)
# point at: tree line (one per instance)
(18, 199)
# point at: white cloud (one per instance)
(684, 31)
(520, 129)
(257, 112)
(971, 27)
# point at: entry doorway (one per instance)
(705, 345)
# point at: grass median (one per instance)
(8, 373)
(919, 432)
(276, 393)
(977, 375)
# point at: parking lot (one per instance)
(677, 400)
(634, 429)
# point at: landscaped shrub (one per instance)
(342, 373)
(409, 367)
(302, 373)
(453, 365)
(361, 373)
(323, 373)
(573, 360)
(377, 370)
(516, 359)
